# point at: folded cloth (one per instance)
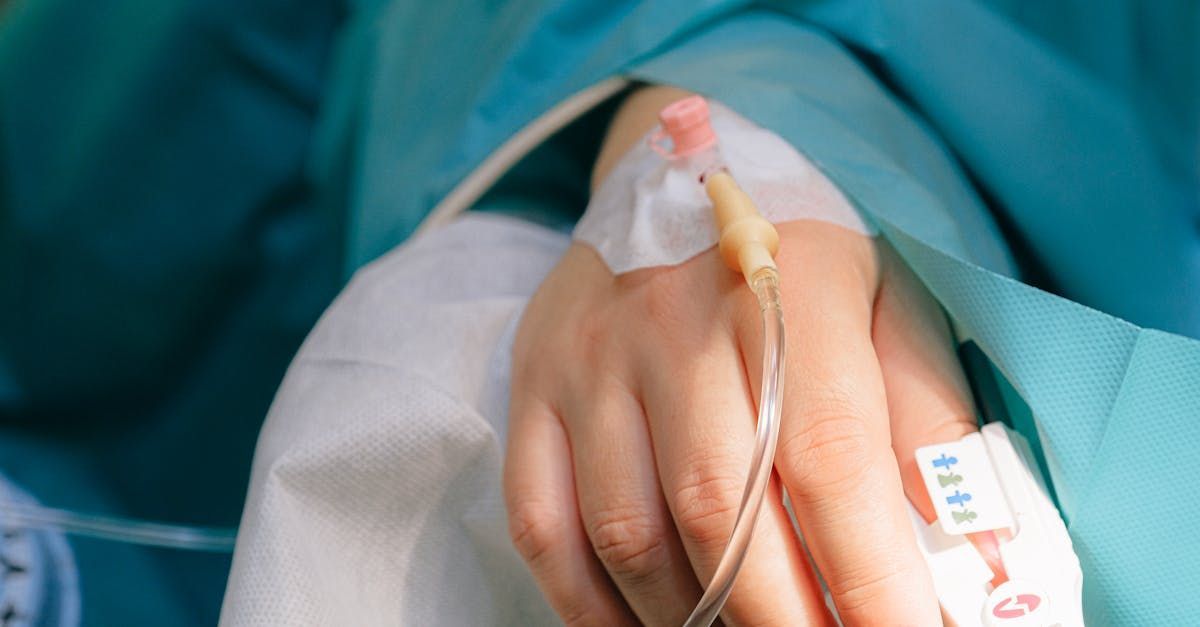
(375, 496)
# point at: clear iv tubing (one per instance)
(766, 287)
(211, 539)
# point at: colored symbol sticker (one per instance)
(945, 462)
(959, 498)
(964, 516)
(949, 480)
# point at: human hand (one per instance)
(632, 421)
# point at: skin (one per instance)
(632, 422)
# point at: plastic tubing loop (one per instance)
(211, 539)
(766, 287)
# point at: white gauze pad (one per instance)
(651, 211)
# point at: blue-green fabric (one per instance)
(161, 258)
(1080, 119)
(1075, 125)
(1077, 120)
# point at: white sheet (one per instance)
(375, 497)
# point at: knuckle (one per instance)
(861, 590)
(592, 336)
(630, 543)
(525, 370)
(949, 430)
(523, 367)
(829, 450)
(664, 302)
(532, 360)
(534, 528)
(578, 614)
(706, 503)
(745, 318)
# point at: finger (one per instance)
(927, 395)
(623, 509)
(703, 433)
(544, 520)
(835, 454)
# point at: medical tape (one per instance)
(650, 211)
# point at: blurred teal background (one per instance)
(162, 255)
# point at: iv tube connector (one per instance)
(748, 242)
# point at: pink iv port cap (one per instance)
(686, 123)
